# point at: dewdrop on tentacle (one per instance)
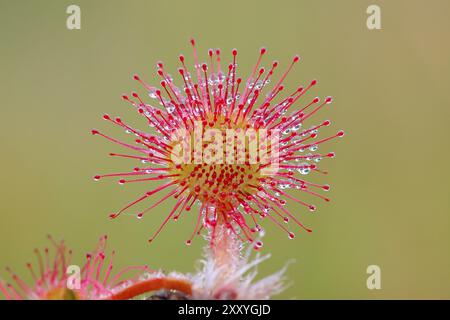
(235, 146)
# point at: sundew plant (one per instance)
(233, 150)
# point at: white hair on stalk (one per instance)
(235, 280)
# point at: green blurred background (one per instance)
(390, 179)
